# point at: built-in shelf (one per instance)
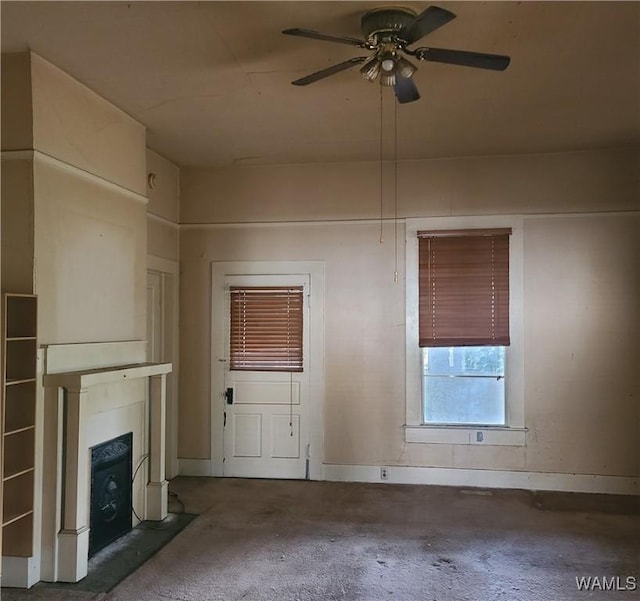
(20, 359)
(20, 311)
(18, 491)
(18, 423)
(18, 430)
(17, 537)
(17, 518)
(23, 381)
(19, 411)
(28, 470)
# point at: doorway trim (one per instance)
(315, 270)
(169, 273)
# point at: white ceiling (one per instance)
(211, 80)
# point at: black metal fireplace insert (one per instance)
(110, 516)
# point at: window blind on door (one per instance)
(266, 328)
(464, 287)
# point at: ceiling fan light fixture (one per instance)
(371, 69)
(388, 64)
(388, 79)
(405, 68)
(388, 69)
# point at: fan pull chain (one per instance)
(290, 373)
(395, 190)
(291, 404)
(381, 169)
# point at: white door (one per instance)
(266, 430)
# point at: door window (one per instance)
(266, 329)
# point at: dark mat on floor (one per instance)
(113, 564)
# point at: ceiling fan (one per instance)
(388, 31)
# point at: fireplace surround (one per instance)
(95, 392)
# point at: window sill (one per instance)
(467, 435)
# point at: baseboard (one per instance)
(438, 476)
(195, 467)
(584, 483)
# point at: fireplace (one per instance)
(97, 394)
(111, 484)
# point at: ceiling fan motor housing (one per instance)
(380, 21)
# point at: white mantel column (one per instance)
(73, 539)
(157, 487)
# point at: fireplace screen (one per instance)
(110, 515)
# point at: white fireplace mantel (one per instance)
(77, 380)
(71, 546)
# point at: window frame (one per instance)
(513, 433)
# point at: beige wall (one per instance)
(17, 225)
(582, 279)
(16, 105)
(16, 173)
(91, 258)
(164, 196)
(582, 343)
(163, 208)
(90, 213)
(162, 239)
(541, 183)
(75, 125)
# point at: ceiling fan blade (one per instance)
(318, 75)
(427, 21)
(316, 35)
(495, 62)
(405, 89)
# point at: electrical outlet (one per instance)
(384, 473)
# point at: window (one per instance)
(463, 385)
(266, 329)
(464, 375)
(464, 324)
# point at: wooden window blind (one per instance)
(266, 328)
(464, 287)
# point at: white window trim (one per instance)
(513, 434)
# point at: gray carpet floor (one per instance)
(265, 540)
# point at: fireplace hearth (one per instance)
(110, 513)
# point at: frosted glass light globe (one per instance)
(388, 64)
